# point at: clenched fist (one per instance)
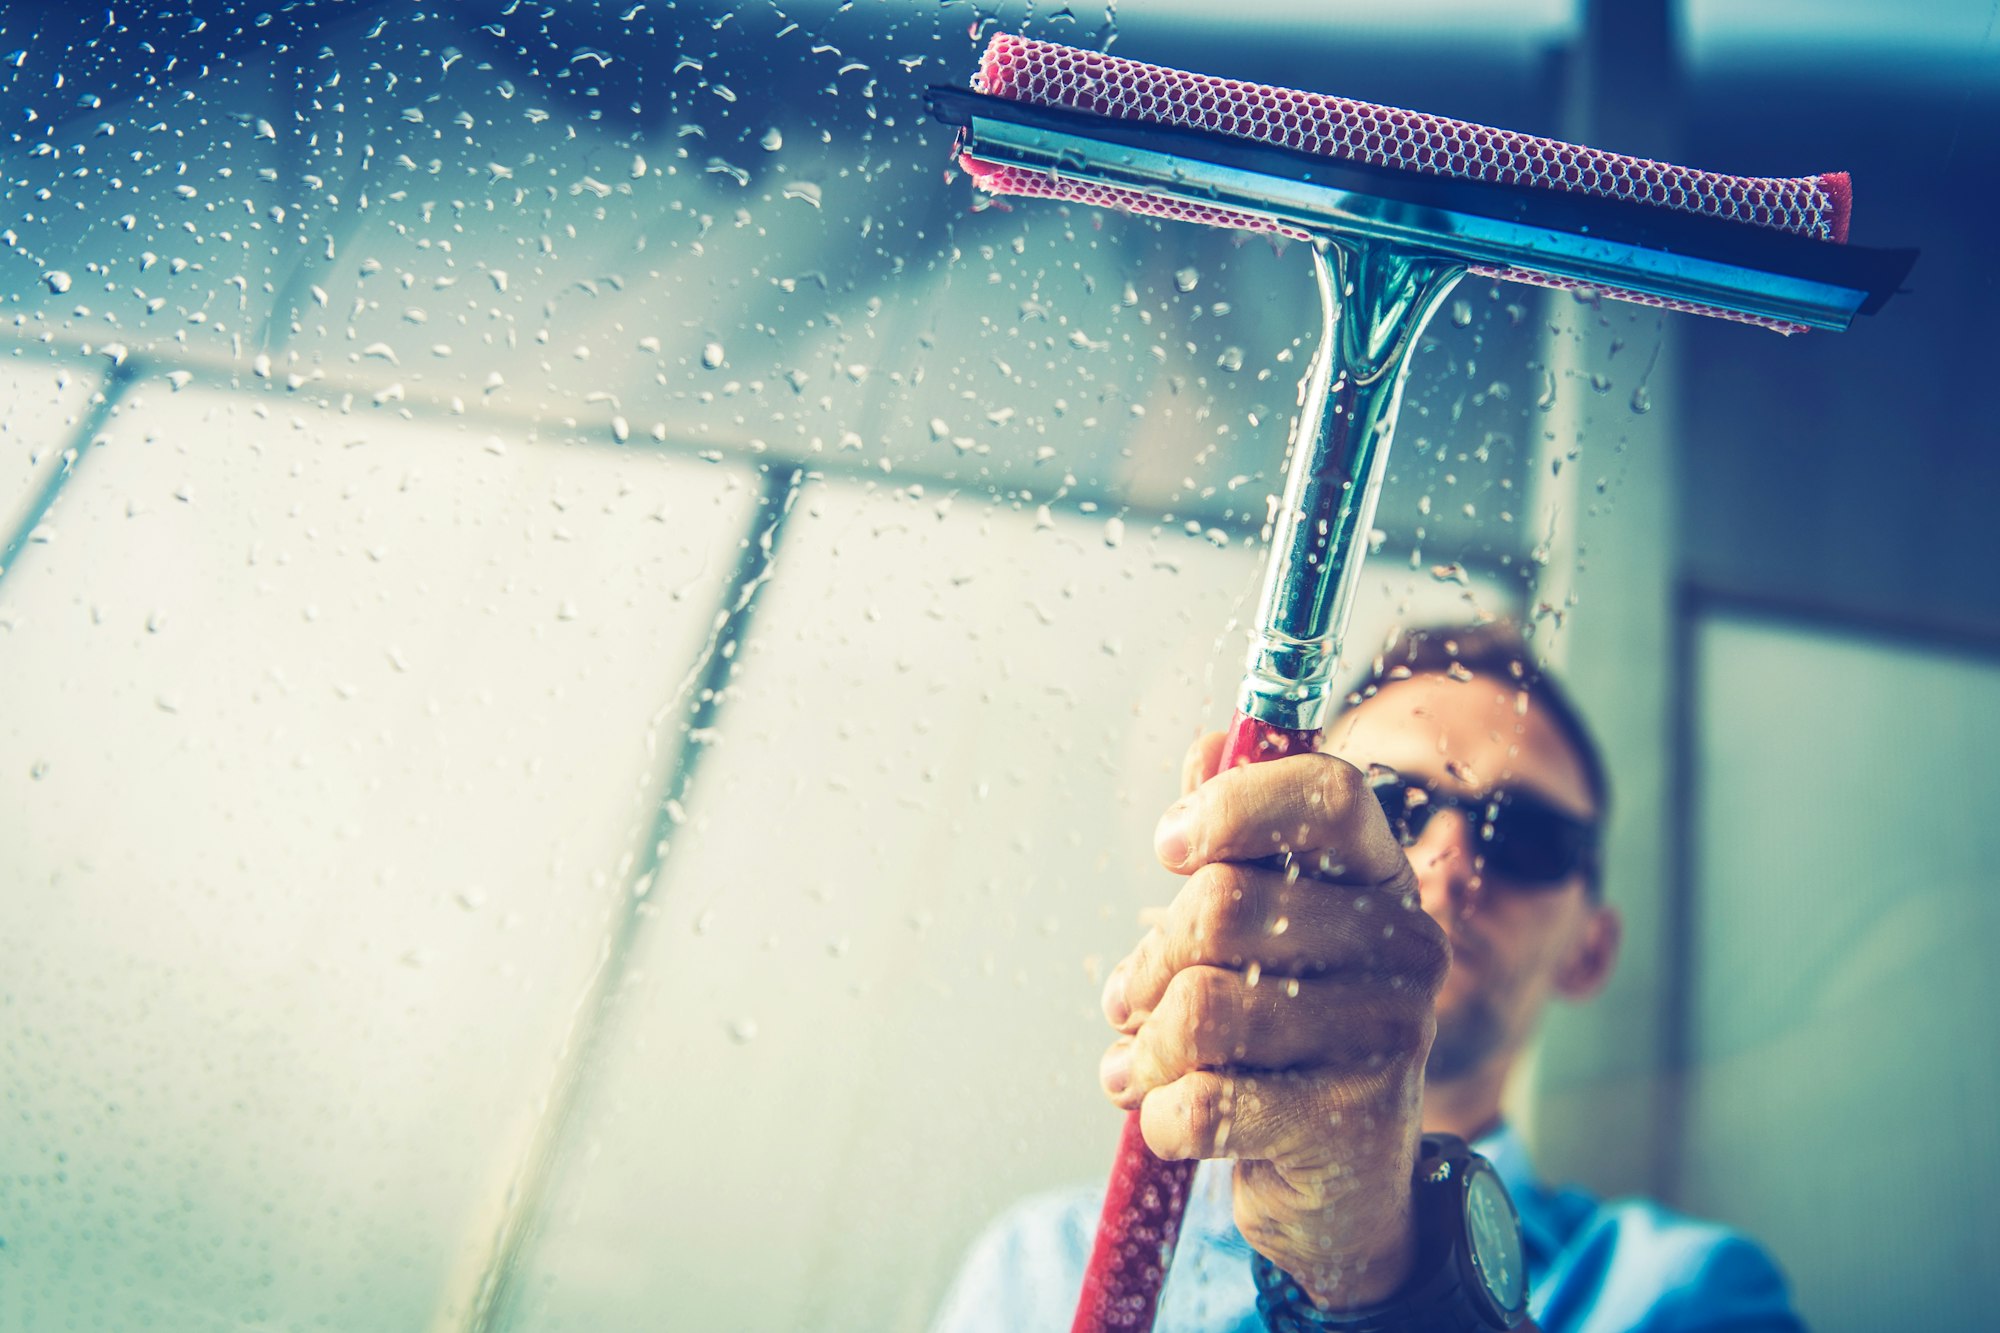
(1280, 1013)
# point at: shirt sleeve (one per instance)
(1635, 1267)
(1734, 1288)
(1024, 1272)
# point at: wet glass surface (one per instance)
(592, 643)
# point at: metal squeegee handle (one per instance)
(1375, 300)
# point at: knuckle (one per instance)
(1215, 811)
(1433, 957)
(1202, 1001)
(1424, 1033)
(1141, 969)
(1408, 1036)
(1219, 904)
(1206, 1108)
(1422, 956)
(1339, 784)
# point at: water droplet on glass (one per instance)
(772, 140)
(1601, 382)
(1461, 313)
(743, 1031)
(57, 280)
(1642, 402)
(1231, 359)
(1452, 573)
(712, 356)
(1187, 279)
(1114, 531)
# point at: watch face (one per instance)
(1495, 1235)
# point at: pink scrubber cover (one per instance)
(1021, 69)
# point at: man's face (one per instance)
(1513, 944)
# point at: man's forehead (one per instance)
(1478, 731)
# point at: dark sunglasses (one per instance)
(1522, 838)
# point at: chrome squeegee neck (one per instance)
(1374, 301)
(1321, 209)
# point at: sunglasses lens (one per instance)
(1524, 841)
(1528, 842)
(1406, 804)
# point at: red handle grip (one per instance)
(1146, 1197)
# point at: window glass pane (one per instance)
(593, 644)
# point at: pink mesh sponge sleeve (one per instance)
(1021, 69)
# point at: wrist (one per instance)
(1467, 1276)
(1363, 1275)
(1350, 1237)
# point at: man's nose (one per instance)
(1446, 859)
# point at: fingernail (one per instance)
(1115, 1071)
(1170, 839)
(1116, 1008)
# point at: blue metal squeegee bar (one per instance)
(1727, 266)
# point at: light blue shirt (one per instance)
(1625, 1267)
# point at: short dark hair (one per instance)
(1498, 651)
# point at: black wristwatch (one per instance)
(1471, 1275)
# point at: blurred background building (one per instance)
(590, 643)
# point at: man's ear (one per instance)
(1588, 966)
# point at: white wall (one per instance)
(1842, 1077)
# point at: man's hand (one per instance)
(1281, 1011)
